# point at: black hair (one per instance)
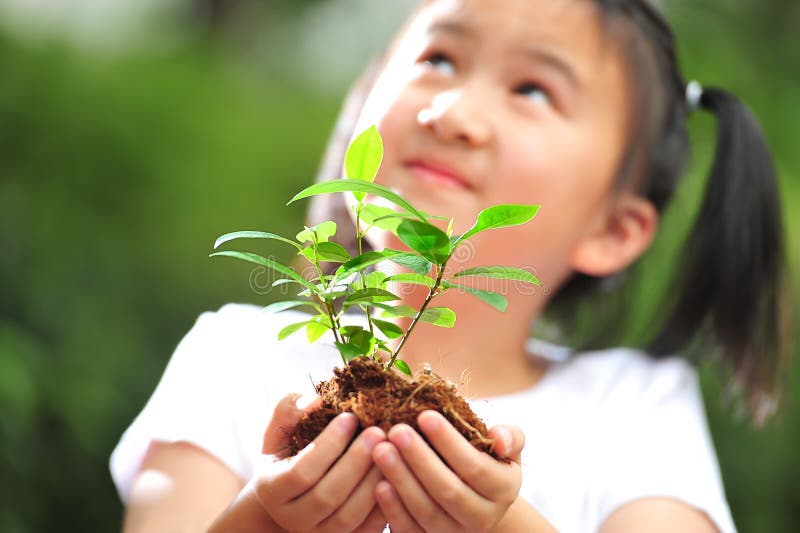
(728, 293)
(729, 287)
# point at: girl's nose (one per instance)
(457, 115)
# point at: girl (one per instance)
(577, 105)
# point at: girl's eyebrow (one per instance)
(535, 53)
(451, 26)
(555, 61)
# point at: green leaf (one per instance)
(370, 295)
(315, 330)
(363, 342)
(323, 231)
(286, 281)
(426, 239)
(277, 307)
(345, 185)
(363, 157)
(269, 263)
(499, 272)
(373, 279)
(323, 319)
(332, 252)
(501, 216)
(382, 217)
(395, 311)
(391, 330)
(349, 331)
(348, 351)
(292, 328)
(412, 277)
(308, 253)
(387, 218)
(403, 367)
(497, 301)
(412, 261)
(439, 316)
(360, 262)
(252, 235)
(329, 296)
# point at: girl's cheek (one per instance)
(397, 128)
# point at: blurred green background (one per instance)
(134, 133)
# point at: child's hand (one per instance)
(328, 486)
(423, 493)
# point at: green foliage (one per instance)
(402, 366)
(363, 158)
(352, 285)
(344, 185)
(500, 216)
(497, 272)
(426, 239)
(114, 172)
(253, 235)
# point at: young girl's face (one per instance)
(505, 101)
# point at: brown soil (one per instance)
(383, 399)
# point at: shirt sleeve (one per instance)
(660, 445)
(193, 403)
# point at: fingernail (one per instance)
(429, 421)
(400, 436)
(385, 455)
(502, 440)
(372, 438)
(346, 422)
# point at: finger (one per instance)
(416, 500)
(338, 496)
(305, 469)
(484, 474)
(508, 442)
(281, 426)
(375, 522)
(355, 508)
(392, 508)
(452, 494)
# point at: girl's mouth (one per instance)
(437, 174)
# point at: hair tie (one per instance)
(694, 93)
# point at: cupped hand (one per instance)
(328, 486)
(468, 491)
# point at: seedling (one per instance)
(355, 284)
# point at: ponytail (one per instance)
(731, 279)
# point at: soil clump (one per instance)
(380, 398)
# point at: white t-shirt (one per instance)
(602, 428)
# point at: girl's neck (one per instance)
(485, 352)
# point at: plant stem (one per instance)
(359, 237)
(334, 326)
(431, 294)
(316, 261)
(326, 304)
(359, 234)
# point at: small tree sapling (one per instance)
(377, 342)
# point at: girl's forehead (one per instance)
(573, 25)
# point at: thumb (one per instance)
(508, 441)
(285, 417)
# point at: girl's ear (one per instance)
(624, 234)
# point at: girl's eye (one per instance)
(534, 92)
(442, 63)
